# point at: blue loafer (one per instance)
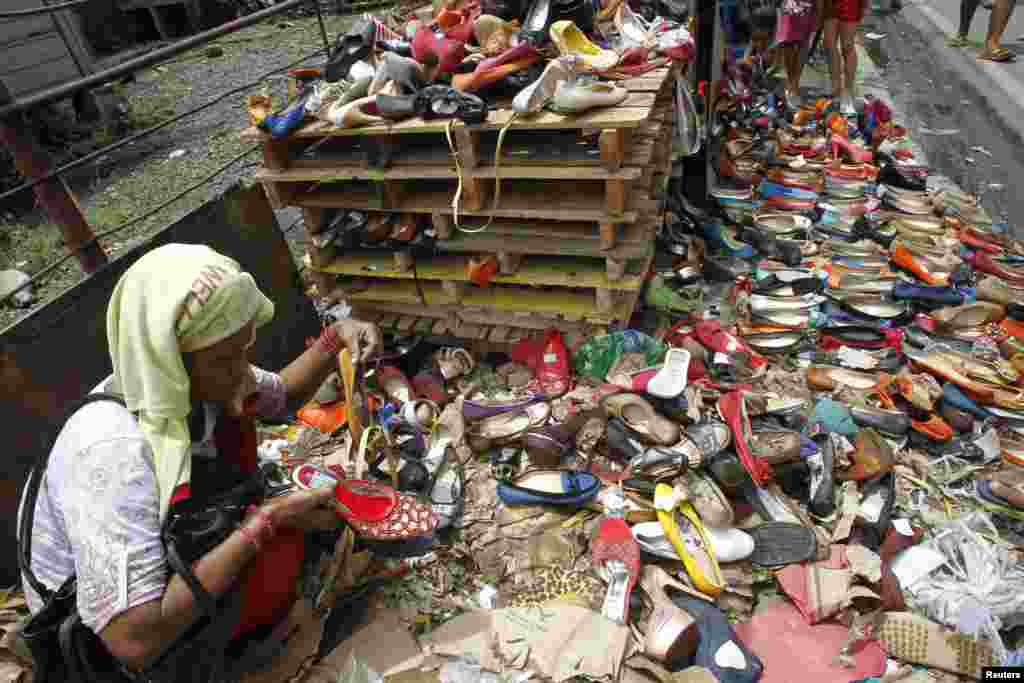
(946, 296)
(550, 487)
(769, 189)
(282, 125)
(952, 395)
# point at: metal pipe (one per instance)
(323, 28)
(61, 91)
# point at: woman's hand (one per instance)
(237, 407)
(362, 339)
(296, 509)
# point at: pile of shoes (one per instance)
(466, 57)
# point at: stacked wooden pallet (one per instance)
(573, 228)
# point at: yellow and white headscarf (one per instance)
(177, 298)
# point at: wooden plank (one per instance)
(631, 113)
(304, 171)
(615, 196)
(638, 233)
(570, 304)
(553, 271)
(566, 201)
(628, 246)
(550, 149)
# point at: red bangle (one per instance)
(330, 341)
(258, 528)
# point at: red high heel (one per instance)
(855, 152)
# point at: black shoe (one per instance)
(821, 495)
(396, 107)
(874, 518)
(891, 174)
(443, 102)
(349, 49)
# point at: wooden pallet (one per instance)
(382, 145)
(480, 336)
(574, 228)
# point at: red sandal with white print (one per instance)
(373, 510)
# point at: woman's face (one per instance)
(218, 373)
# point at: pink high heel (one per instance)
(856, 153)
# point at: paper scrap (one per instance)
(875, 36)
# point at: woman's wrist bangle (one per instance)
(258, 528)
(330, 341)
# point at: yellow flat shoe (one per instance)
(354, 397)
(685, 531)
(570, 40)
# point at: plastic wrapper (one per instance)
(595, 357)
(979, 589)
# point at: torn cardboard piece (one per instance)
(558, 641)
(384, 646)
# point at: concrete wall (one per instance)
(59, 353)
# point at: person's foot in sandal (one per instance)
(957, 40)
(999, 54)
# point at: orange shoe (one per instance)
(934, 428)
(902, 257)
(1014, 328)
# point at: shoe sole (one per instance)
(918, 640)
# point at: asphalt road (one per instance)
(967, 115)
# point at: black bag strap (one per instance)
(207, 603)
(28, 511)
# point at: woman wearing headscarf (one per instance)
(180, 324)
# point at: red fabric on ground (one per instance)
(791, 649)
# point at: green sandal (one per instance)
(957, 41)
(664, 298)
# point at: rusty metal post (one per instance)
(54, 194)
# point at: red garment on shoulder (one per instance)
(270, 583)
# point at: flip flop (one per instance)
(781, 543)
(685, 531)
(1001, 55)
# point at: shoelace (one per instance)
(457, 198)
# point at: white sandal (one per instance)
(454, 362)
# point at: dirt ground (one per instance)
(134, 179)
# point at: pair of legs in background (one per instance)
(838, 32)
(1002, 10)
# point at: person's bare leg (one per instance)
(830, 38)
(847, 31)
(1001, 11)
(791, 59)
